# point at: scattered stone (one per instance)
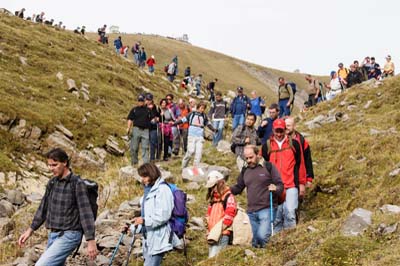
(85, 96)
(20, 130)
(222, 169)
(93, 53)
(311, 229)
(352, 107)
(291, 263)
(249, 253)
(34, 197)
(194, 174)
(12, 178)
(112, 147)
(100, 152)
(36, 133)
(23, 60)
(59, 76)
(392, 209)
(224, 146)
(102, 260)
(6, 208)
(16, 197)
(129, 172)
(86, 158)
(358, 221)
(58, 139)
(196, 224)
(192, 186)
(130, 206)
(6, 226)
(368, 104)
(383, 229)
(2, 178)
(316, 122)
(65, 131)
(71, 85)
(342, 103)
(395, 172)
(76, 93)
(231, 94)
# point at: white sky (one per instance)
(310, 35)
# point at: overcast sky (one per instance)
(310, 35)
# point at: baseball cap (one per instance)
(149, 96)
(213, 177)
(140, 98)
(240, 89)
(279, 123)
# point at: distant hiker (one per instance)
(187, 71)
(221, 210)
(150, 64)
(139, 118)
(192, 104)
(342, 71)
(136, 53)
(363, 72)
(175, 60)
(118, 44)
(77, 30)
(181, 138)
(260, 179)
(20, 13)
(102, 34)
(264, 131)
(285, 96)
(40, 18)
(335, 86)
(238, 109)
(171, 71)
(197, 83)
(375, 70)
(285, 154)
(167, 117)
(154, 133)
(244, 135)
(257, 107)
(197, 122)
(142, 58)
(312, 90)
(83, 30)
(211, 89)
(156, 204)
(125, 50)
(60, 24)
(388, 69)
(67, 211)
(174, 110)
(354, 77)
(218, 113)
(306, 171)
(49, 22)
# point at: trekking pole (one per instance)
(136, 230)
(271, 206)
(117, 246)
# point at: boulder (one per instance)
(224, 146)
(112, 147)
(35, 134)
(60, 76)
(16, 197)
(315, 123)
(33, 185)
(222, 169)
(249, 253)
(20, 130)
(196, 224)
(129, 172)
(358, 221)
(130, 206)
(383, 229)
(41, 167)
(195, 174)
(65, 131)
(2, 178)
(392, 209)
(6, 208)
(108, 241)
(6, 226)
(71, 85)
(34, 197)
(86, 158)
(58, 139)
(100, 152)
(192, 186)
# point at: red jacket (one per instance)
(151, 62)
(287, 160)
(217, 211)
(306, 167)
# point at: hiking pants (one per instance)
(219, 125)
(260, 226)
(198, 89)
(151, 260)
(286, 214)
(213, 250)
(181, 138)
(284, 110)
(139, 136)
(136, 58)
(59, 246)
(195, 147)
(237, 120)
(154, 145)
(311, 100)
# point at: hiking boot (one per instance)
(175, 152)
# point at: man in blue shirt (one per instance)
(239, 107)
(257, 107)
(264, 131)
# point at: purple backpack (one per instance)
(180, 216)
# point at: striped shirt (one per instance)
(62, 210)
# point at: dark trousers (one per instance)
(154, 151)
(311, 100)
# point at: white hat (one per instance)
(213, 178)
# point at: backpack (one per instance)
(294, 87)
(262, 107)
(180, 215)
(171, 69)
(234, 145)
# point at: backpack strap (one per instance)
(225, 200)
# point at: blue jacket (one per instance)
(117, 43)
(143, 56)
(239, 105)
(265, 132)
(255, 106)
(158, 206)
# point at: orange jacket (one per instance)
(287, 160)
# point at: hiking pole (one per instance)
(117, 246)
(271, 206)
(135, 230)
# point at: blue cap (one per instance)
(333, 73)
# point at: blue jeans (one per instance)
(117, 50)
(237, 120)
(286, 214)
(59, 246)
(151, 260)
(151, 69)
(154, 145)
(136, 58)
(213, 250)
(198, 89)
(139, 136)
(284, 110)
(219, 125)
(261, 226)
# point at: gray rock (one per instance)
(86, 158)
(6, 208)
(93, 53)
(390, 229)
(130, 205)
(192, 186)
(395, 172)
(76, 93)
(311, 229)
(315, 123)
(65, 131)
(112, 147)
(291, 263)
(2, 178)
(231, 94)
(249, 253)
(16, 197)
(196, 224)
(222, 169)
(100, 152)
(108, 241)
(368, 104)
(358, 221)
(58, 139)
(224, 146)
(129, 172)
(100, 259)
(23, 60)
(12, 178)
(374, 132)
(392, 209)
(41, 166)
(60, 76)
(194, 174)
(20, 130)
(71, 85)
(342, 103)
(34, 197)
(36, 133)
(85, 96)
(6, 226)
(352, 107)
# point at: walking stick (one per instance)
(136, 230)
(271, 206)
(117, 246)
